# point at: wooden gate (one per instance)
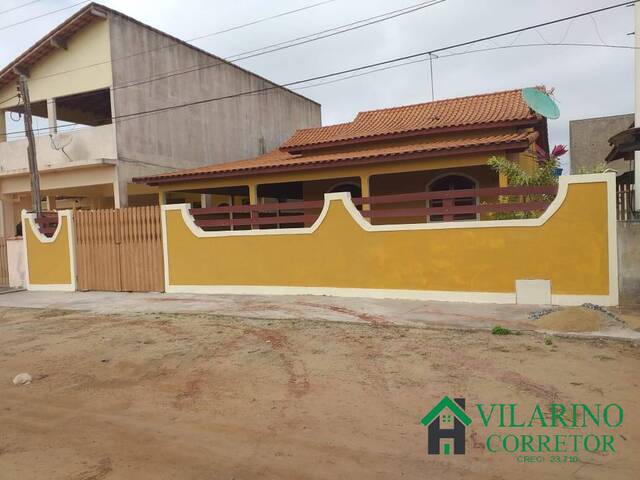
(119, 250)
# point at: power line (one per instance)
(479, 50)
(300, 40)
(121, 118)
(255, 22)
(236, 27)
(381, 64)
(441, 49)
(260, 51)
(18, 7)
(178, 43)
(316, 36)
(22, 22)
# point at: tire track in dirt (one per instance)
(377, 320)
(299, 383)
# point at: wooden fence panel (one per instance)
(4, 265)
(120, 250)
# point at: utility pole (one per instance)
(31, 148)
(636, 158)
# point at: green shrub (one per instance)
(498, 330)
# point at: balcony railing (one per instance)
(451, 205)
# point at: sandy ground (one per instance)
(199, 396)
(292, 307)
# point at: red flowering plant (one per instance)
(544, 174)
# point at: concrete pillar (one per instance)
(3, 126)
(364, 188)
(50, 202)
(120, 197)
(52, 115)
(15, 262)
(162, 198)
(253, 200)
(206, 200)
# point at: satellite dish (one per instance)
(541, 102)
(60, 140)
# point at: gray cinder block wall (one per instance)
(629, 262)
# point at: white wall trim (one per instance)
(53, 287)
(31, 221)
(165, 240)
(28, 220)
(613, 241)
(345, 198)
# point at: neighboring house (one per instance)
(432, 146)
(589, 143)
(99, 65)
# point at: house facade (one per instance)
(110, 96)
(441, 145)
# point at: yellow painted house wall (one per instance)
(49, 263)
(86, 61)
(572, 248)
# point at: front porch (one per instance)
(300, 195)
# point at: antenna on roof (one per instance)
(541, 102)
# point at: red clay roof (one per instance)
(280, 160)
(457, 113)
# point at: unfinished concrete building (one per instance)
(104, 88)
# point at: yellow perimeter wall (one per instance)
(573, 245)
(50, 261)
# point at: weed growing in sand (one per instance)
(498, 330)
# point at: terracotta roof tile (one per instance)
(485, 109)
(278, 159)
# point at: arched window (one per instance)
(452, 182)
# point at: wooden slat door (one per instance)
(141, 249)
(119, 250)
(97, 252)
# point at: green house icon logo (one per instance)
(446, 424)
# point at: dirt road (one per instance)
(203, 397)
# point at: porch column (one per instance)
(253, 200)
(120, 197)
(364, 188)
(51, 203)
(206, 200)
(162, 198)
(52, 115)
